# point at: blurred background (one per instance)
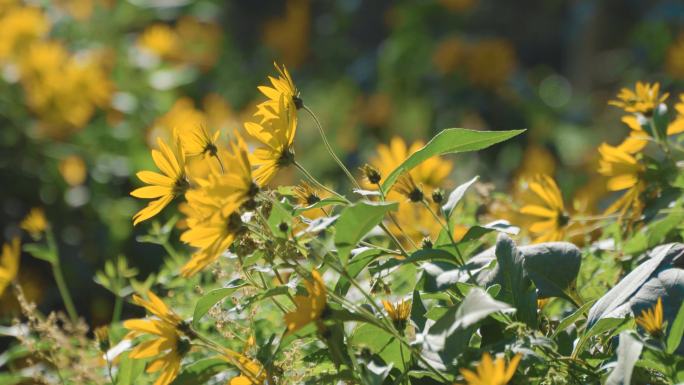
(87, 85)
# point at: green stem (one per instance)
(317, 183)
(59, 277)
(118, 307)
(329, 147)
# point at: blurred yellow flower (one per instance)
(162, 187)
(545, 205)
(200, 42)
(161, 40)
(449, 55)
(643, 99)
(677, 126)
(35, 222)
(9, 263)
(276, 136)
(490, 62)
(651, 320)
(309, 307)
(19, 27)
(63, 90)
(181, 117)
(289, 35)
(458, 5)
(674, 62)
(491, 372)
(73, 170)
(167, 345)
(282, 88)
(431, 173)
(536, 160)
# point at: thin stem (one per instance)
(109, 370)
(447, 229)
(59, 277)
(118, 307)
(317, 183)
(329, 148)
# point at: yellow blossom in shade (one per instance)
(289, 34)
(651, 320)
(181, 117)
(309, 307)
(276, 136)
(167, 344)
(306, 194)
(73, 170)
(490, 62)
(407, 187)
(34, 222)
(200, 42)
(643, 99)
(491, 372)
(252, 372)
(281, 87)
(674, 62)
(20, 27)
(9, 263)
(449, 55)
(161, 40)
(536, 160)
(163, 188)
(545, 205)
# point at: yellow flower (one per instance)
(398, 312)
(252, 372)
(545, 204)
(102, 338)
(167, 345)
(624, 172)
(198, 141)
(643, 99)
(276, 136)
(309, 307)
(282, 87)
(674, 63)
(407, 187)
(73, 170)
(200, 42)
(161, 40)
(677, 126)
(490, 372)
(34, 222)
(652, 319)
(289, 34)
(164, 188)
(215, 221)
(181, 117)
(306, 194)
(9, 263)
(622, 169)
(431, 173)
(449, 54)
(19, 27)
(490, 62)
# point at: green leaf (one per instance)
(331, 201)
(360, 259)
(449, 141)
(355, 222)
(602, 326)
(628, 353)
(674, 336)
(40, 252)
(553, 267)
(477, 231)
(569, 320)
(280, 212)
(200, 372)
(516, 288)
(456, 197)
(129, 370)
(212, 298)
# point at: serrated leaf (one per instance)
(449, 141)
(355, 222)
(212, 298)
